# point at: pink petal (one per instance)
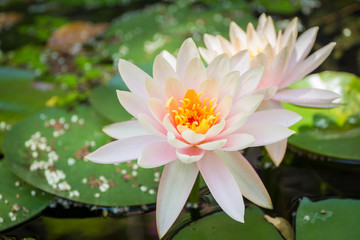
(291, 30)
(192, 137)
(187, 52)
(176, 143)
(189, 155)
(210, 89)
(237, 142)
(277, 151)
(133, 77)
(163, 70)
(269, 31)
(308, 97)
(266, 134)
(133, 103)
(278, 67)
(280, 117)
(174, 88)
(169, 58)
(122, 150)
(157, 108)
(240, 61)
(222, 185)
(215, 130)
(234, 123)
(154, 89)
(224, 106)
(126, 129)
(170, 127)
(151, 125)
(157, 154)
(177, 180)
(269, 104)
(249, 182)
(218, 67)
(249, 81)
(228, 84)
(214, 145)
(195, 74)
(247, 104)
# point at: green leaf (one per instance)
(330, 132)
(328, 219)
(18, 200)
(47, 150)
(20, 96)
(221, 226)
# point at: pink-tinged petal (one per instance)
(212, 42)
(152, 125)
(234, 123)
(192, 137)
(236, 32)
(252, 38)
(278, 67)
(303, 46)
(170, 127)
(174, 88)
(224, 106)
(237, 142)
(218, 67)
(228, 84)
(240, 61)
(291, 30)
(195, 73)
(280, 117)
(187, 52)
(210, 89)
(157, 108)
(215, 130)
(177, 180)
(246, 104)
(249, 81)
(307, 97)
(133, 103)
(126, 129)
(169, 58)
(176, 143)
(226, 46)
(222, 185)
(249, 182)
(270, 104)
(267, 92)
(154, 89)
(133, 77)
(189, 155)
(308, 65)
(122, 150)
(207, 54)
(162, 70)
(277, 151)
(260, 60)
(261, 24)
(214, 145)
(266, 134)
(269, 31)
(157, 154)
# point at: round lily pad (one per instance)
(332, 132)
(47, 150)
(328, 219)
(221, 226)
(18, 200)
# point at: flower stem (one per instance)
(194, 199)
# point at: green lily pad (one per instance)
(332, 132)
(141, 35)
(47, 150)
(221, 226)
(20, 96)
(18, 200)
(328, 219)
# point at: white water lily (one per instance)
(285, 60)
(194, 119)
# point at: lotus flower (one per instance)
(190, 119)
(285, 59)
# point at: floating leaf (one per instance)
(328, 219)
(330, 132)
(18, 200)
(47, 150)
(221, 226)
(69, 37)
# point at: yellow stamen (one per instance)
(252, 54)
(193, 114)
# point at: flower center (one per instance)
(192, 114)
